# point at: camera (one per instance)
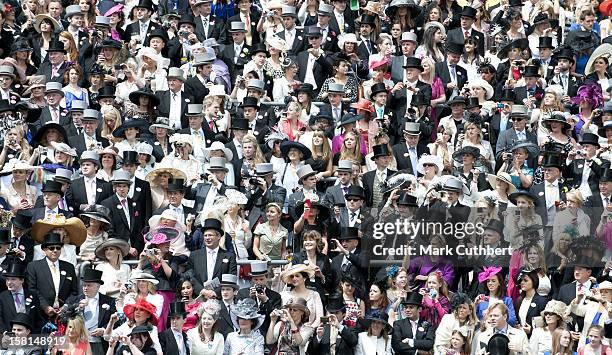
(13, 142)
(151, 251)
(278, 312)
(324, 320)
(183, 33)
(259, 289)
(179, 144)
(332, 244)
(581, 152)
(253, 181)
(508, 155)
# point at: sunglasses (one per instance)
(353, 199)
(54, 248)
(428, 165)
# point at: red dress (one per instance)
(191, 320)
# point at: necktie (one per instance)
(453, 73)
(18, 303)
(580, 287)
(62, 204)
(336, 114)
(345, 189)
(353, 215)
(54, 72)
(174, 96)
(205, 21)
(564, 81)
(607, 200)
(55, 112)
(466, 34)
(124, 203)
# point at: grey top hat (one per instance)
(335, 87)
(90, 155)
(289, 11)
(121, 177)
(203, 59)
(78, 105)
(73, 10)
(325, 9)
(409, 37)
(102, 21)
(345, 165)
(91, 115)
(412, 128)
(237, 26)
(210, 42)
(62, 174)
(217, 163)
(519, 110)
(194, 110)
(256, 84)
(229, 280)
(453, 184)
(53, 86)
(305, 171)
(264, 169)
(175, 73)
(259, 267)
(7, 70)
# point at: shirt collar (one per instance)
(53, 263)
(209, 250)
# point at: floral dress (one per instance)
(237, 343)
(351, 88)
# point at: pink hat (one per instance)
(374, 64)
(115, 9)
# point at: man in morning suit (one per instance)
(206, 24)
(452, 75)
(53, 112)
(173, 102)
(174, 340)
(124, 212)
(498, 317)
(140, 190)
(292, 36)
(97, 309)
(227, 299)
(465, 31)
(205, 193)
(407, 153)
(90, 138)
(176, 192)
(347, 337)
(334, 195)
(21, 239)
(52, 281)
(52, 194)
(313, 67)
(16, 299)
(402, 92)
(143, 26)
(412, 334)
(582, 284)
(307, 178)
(349, 260)
(583, 170)
(330, 36)
(211, 261)
(88, 190)
(236, 53)
(409, 43)
(55, 67)
(374, 180)
(267, 299)
(598, 201)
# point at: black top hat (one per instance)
(313, 31)
(335, 303)
(368, 20)
(378, 88)
(249, 101)
(56, 46)
(16, 269)
(454, 47)
(5, 236)
(565, 53)
(159, 33)
(413, 62)
(406, 199)
(552, 161)
(545, 42)
(22, 219)
(590, 138)
(532, 70)
(468, 12)
(135, 95)
(188, 19)
(5, 106)
(107, 91)
(380, 150)
(472, 103)
(240, 124)
(130, 157)
(22, 319)
(513, 3)
(110, 43)
(176, 185)
(147, 4)
(414, 298)
(496, 225)
(52, 239)
(177, 308)
(92, 275)
(606, 176)
(54, 187)
(457, 100)
(213, 223)
(498, 344)
(347, 233)
(259, 48)
(355, 191)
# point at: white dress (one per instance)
(110, 276)
(198, 347)
(367, 345)
(237, 344)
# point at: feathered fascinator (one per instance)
(590, 93)
(70, 311)
(399, 180)
(571, 230)
(529, 241)
(458, 299)
(211, 307)
(586, 243)
(475, 119)
(488, 272)
(392, 271)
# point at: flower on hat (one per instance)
(488, 273)
(158, 238)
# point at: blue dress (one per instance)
(516, 180)
(69, 97)
(481, 308)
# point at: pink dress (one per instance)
(437, 90)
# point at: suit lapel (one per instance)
(120, 210)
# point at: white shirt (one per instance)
(142, 28)
(290, 37)
(178, 336)
(410, 92)
(178, 210)
(54, 275)
(211, 260)
(125, 210)
(353, 220)
(175, 110)
(309, 78)
(91, 320)
(237, 50)
(521, 135)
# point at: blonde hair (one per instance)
(107, 110)
(472, 124)
(78, 323)
(432, 70)
(258, 156)
(542, 260)
(575, 196)
(355, 154)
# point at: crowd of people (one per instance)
(298, 177)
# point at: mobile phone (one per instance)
(324, 320)
(332, 244)
(517, 213)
